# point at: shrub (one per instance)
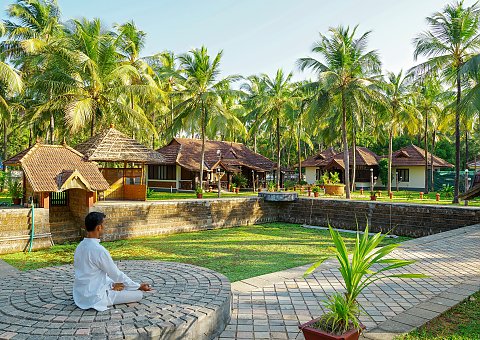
(239, 180)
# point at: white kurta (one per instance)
(95, 272)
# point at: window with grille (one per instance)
(162, 172)
(403, 175)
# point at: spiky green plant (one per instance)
(367, 264)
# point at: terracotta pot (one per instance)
(421, 195)
(17, 201)
(337, 190)
(437, 197)
(260, 189)
(315, 194)
(237, 190)
(390, 194)
(199, 195)
(361, 191)
(311, 333)
(373, 198)
(309, 192)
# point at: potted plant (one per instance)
(240, 181)
(232, 187)
(331, 182)
(199, 192)
(341, 321)
(15, 191)
(271, 186)
(373, 196)
(316, 190)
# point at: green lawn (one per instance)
(158, 195)
(238, 253)
(459, 323)
(398, 197)
(4, 197)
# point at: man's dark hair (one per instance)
(93, 219)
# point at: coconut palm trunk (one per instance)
(432, 185)
(426, 152)
(390, 157)
(278, 153)
(4, 153)
(354, 155)
(52, 128)
(466, 147)
(345, 147)
(457, 139)
(202, 161)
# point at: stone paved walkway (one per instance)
(271, 306)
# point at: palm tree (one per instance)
(31, 37)
(92, 83)
(276, 100)
(10, 84)
(450, 42)
(201, 95)
(399, 112)
(347, 72)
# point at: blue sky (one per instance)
(259, 36)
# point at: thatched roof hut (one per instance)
(111, 145)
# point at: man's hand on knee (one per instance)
(145, 287)
(118, 287)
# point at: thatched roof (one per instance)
(58, 167)
(413, 155)
(111, 145)
(187, 152)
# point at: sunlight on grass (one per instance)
(238, 253)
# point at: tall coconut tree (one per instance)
(30, 40)
(201, 94)
(276, 100)
(346, 72)
(451, 40)
(10, 84)
(95, 84)
(400, 114)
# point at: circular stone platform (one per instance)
(188, 302)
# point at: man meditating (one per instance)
(98, 282)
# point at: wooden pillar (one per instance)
(44, 200)
(90, 198)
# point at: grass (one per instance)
(159, 195)
(238, 253)
(462, 322)
(398, 197)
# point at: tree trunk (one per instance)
(466, 147)
(390, 157)
(52, 128)
(299, 152)
(255, 142)
(203, 122)
(345, 148)
(4, 153)
(426, 152)
(92, 127)
(354, 155)
(278, 153)
(457, 140)
(30, 136)
(432, 186)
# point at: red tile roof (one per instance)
(187, 152)
(47, 167)
(413, 155)
(363, 157)
(320, 159)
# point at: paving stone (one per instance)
(183, 295)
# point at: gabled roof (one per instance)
(320, 159)
(413, 155)
(187, 153)
(111, 145)
(51, 167)
(363, 157)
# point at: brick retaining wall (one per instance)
(134, 219)
(414, 220)
(15, 226)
